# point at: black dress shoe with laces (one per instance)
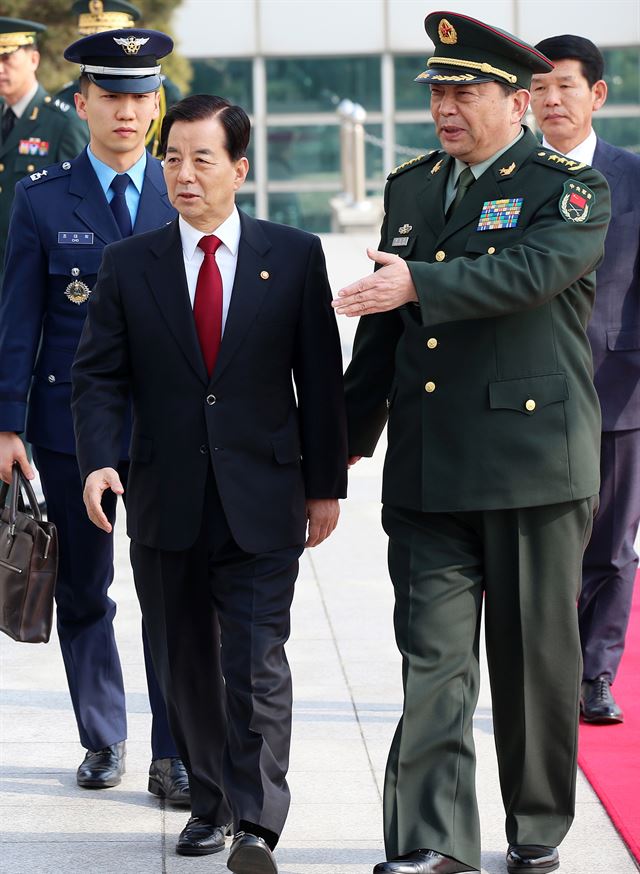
(597, 704)
(102, 769)
(422, 862)
(531, 857)
(168, 779)
(250, 854)
(201, 838)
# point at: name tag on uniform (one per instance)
(499, 215)
(75, 238)
(400, 241)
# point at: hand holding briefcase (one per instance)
(28, 565)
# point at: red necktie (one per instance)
(207, 305)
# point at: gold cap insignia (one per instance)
(436, 167)
(131, 44)
(507, 171)
(447, 33)
(404, 229)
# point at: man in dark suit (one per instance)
(63, 217)
(473, 346)
(208, 325)
(35, 129)
(563, 102)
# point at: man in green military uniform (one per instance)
(473, 346)
(98, 16)
(35, 131)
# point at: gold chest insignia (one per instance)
(131, 44)
(507, 171)
(436, 167)
(447, 33)
(404, 229)
(77, 292)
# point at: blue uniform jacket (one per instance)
(614, 329)
(60, 224)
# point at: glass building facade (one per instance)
(292, 98)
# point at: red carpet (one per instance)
(610, 755)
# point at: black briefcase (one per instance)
(28, 564)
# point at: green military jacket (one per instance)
(46, 133)
(487, 382)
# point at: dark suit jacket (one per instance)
(270, 446)
(487, 383)
(614, 329)
(39, 326)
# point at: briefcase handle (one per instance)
(18, 481)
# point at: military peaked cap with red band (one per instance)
(468, 51)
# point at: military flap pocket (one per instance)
(491, 242)
(75, 262)
(54, 364)
(286, 448)
(529, 394)
(623, 341)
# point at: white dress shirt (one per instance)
(226, 256)
(583, 152)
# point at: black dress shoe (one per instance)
(531, 857)
(168, 779)
(422, 862)
(250, 854)
(103, 768)
(201, 838)
(597, 704)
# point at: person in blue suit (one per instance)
(563, 102)
(63, 217)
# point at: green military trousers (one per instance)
(526, 565)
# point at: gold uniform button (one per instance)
(47, 99)
(440, 255)
(0, 189)
(264, 274)
(491, 250)
(530, 405)
(430, 386)
(432, 343)
(1, 168)
(31, 168)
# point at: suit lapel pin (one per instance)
(404, 229)
(507, 171)
(436, 167)
(264, 274)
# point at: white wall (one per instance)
(243, 28)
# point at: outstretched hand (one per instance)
(387, 289)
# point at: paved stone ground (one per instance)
(347, 701)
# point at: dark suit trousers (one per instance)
(610, 561)
(527, 564)
(214, 612)
(85, 612)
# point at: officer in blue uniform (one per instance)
(98, 16)
(63, 217)
(35, 129)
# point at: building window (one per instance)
(227, 78)
(410, 94)
(319, 84)
(622, 75)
